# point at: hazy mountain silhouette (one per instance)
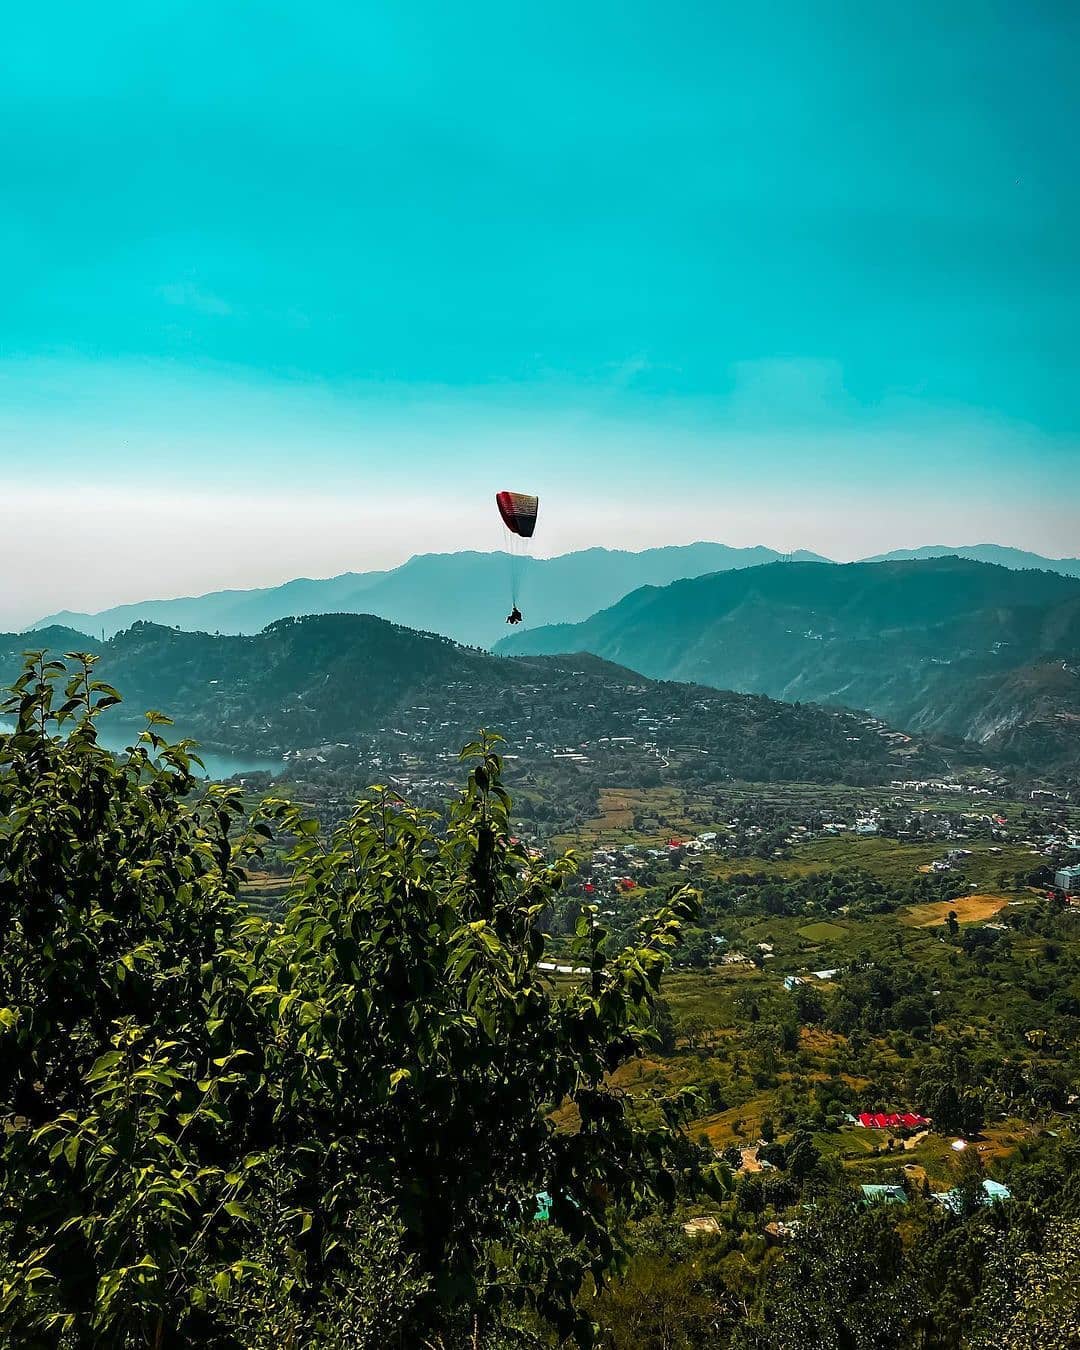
(465, 596)
(1000, 554)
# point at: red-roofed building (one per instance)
(894, 1120)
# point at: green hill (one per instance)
(942, 646)
(334, 678)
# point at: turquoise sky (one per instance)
(293, 288)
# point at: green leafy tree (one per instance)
(662, 1303)
(841, 1284)
(803, 1155)
(1031, 1298)
(809, 1005)
(226, 1132)
(950, 1095)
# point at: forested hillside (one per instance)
(333, 678)
(943, 646)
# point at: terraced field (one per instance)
(968, 909)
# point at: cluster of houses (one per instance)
(993, 1193)
(889, 1193)
(866, 823)
(764, 951)
(953, 858)
(781, 1230)
(793, 981)
(610, 866)
(940, 787)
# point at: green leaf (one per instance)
(109, 1060)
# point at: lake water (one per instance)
(119, 737)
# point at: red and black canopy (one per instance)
(518, 511)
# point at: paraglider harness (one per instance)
(514, 616)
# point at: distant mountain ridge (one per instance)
(941, 646)
(464, 596)
(1000, 554)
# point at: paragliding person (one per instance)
(518, 511)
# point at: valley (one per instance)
(878, 932)
(834, 974)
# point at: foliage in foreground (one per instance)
(326, 1132)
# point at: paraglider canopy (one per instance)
(518, 511)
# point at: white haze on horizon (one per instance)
(90, 549)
